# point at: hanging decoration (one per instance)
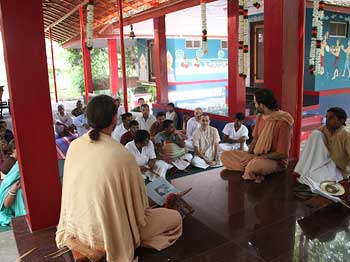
(316, 37)
(257, 4)
(132, 33)
(204, 26)
(243, 39)
(90, 25)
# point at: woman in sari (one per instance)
(11, 197)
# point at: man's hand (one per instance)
(144, 169)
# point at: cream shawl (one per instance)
(104, 198)
(264, 143)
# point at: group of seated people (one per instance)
(158, 146)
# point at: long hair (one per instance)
(100, 112)
(266, 97)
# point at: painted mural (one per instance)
(335, 55)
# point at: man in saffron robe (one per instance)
(104, 209)
(269, 150)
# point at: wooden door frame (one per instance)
(253, 49)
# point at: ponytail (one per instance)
(94, 134)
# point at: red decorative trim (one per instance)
(197, 82)
(311, 93)
(329, 92)
(212, 116)
(311, 108)
(333, 8)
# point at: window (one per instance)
(224, 44)
(338, 29)
(193, 44)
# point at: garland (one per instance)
(90, 25)
(204, 27)
(243, 39)
(316, 37)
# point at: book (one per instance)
(159, 189)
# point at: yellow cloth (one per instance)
(103, 198)
(264, 143)
(338, 145)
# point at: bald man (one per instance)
(192, 125)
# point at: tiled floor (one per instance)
(8, 249)
(235, 220)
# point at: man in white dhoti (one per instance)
(63, 122)
(143, 150)
(104, 208)
(326, 156)
(171, 147)
(81, 123)
(192, 125)
(235, 135)
(123, 127)
(206, 144)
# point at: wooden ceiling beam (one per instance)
(66, 15)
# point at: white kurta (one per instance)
(148, 153)
(315, 164)
(205, 141)
(146, 124)
(172, 116)
(79, 122)
(121, 110)
(65, 119)
(192, 125)
(118, 132)
(230, 131)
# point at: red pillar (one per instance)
(86, 58)
(122, 52)
(284, 58)
(161, 59)
(27, 75)
(113, 65)
(236, 84)
(53, 66)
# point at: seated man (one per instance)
(8, 133)
(11, 196)
(171, 148)
(123, 127)
(206, 143)
(104, 207)
(146, 119)
(193, 124)
(120, 110)
(140, 102)
(235, 135)
(269, 151)
(81, 123)
(63, 122)
(78, 110)
(143, 150)
(158, 125)
(326, 155)
(130, 135)
(171, 114)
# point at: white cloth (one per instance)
(65, 119)
(230, 131)
(121, 110)
(192, 125)
(118, 132)
(148, 153)
(189, 145)
(146, 124)
(205, 141)
(79, 122)
(315, 164)
(172, 116)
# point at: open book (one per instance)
(159, 189)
